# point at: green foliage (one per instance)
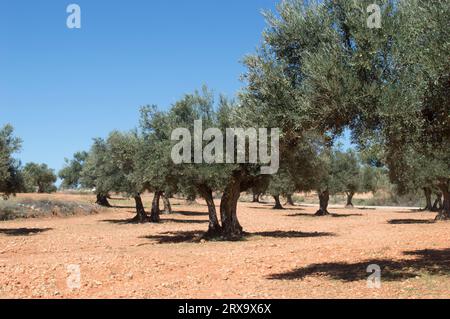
(159, 171)
(39, 178)
(125, 151)
(281, 184)
(10, 176)
(155, 165)
(319, 71)
(371, 179)
(417, 145)
(322, 68)
(30, 208)
(71, 173)
(99, 170)
(345, 173)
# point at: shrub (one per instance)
(29, 208)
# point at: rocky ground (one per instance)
(287, 254)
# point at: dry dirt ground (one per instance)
(287, 254)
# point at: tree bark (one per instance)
(350, 199)
(277, 202)
(141, 215)
(214, 228)
(324, 197)
(240, 181)
(155, 213)
(289, 200)
(167, 206)
(231, 229)
(102, 200)
(444, 214)
(427, 192)
(437, 206)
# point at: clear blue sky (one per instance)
(60, 88)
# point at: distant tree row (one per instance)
(14, 178)
(344, 173)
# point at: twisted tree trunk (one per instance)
(437, 206)
(444, 214)
(350, 199)
(277, 202)
(141, 215)
(324, 197)
(155, 213)
(214, 228)
(167, 206)
(289, 200)
(427, 192)
(240, 181)
(40, 188)
(231, 229)
(102, 200)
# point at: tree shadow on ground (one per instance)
(410, 221)
(176, 237)
(183, 221)
(123, 207)
(23, 231)
(430, 261)
(129, 221)
(189, 213)
(331, 215)
(345, 215)
(120, 221)
(270, 207)
(289, 234)
(197, 236)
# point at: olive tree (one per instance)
(124, 149)
(39, 178)
(70, 174)
(275, 94)
(10, 175)
(100, 172)
(189, 178)
(391, 82)
(281, 184)
(155, 166)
